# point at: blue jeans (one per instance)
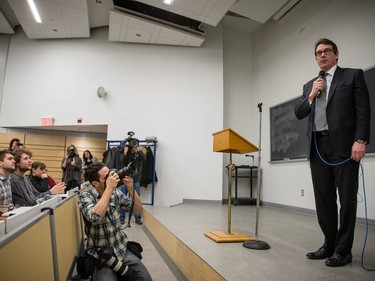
(137, 187)
(107, 274)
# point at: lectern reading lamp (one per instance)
(228, 141)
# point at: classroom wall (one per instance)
(240, 103)
(173, 93)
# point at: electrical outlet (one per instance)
(302, 192)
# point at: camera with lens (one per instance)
(130, 141)
(71, 154)
(123, 272)
(130, 170)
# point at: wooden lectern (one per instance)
(228, 141)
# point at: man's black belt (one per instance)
(322, 133)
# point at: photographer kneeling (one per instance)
(100, 206)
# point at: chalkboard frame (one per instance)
(289, 135)
(369, 74)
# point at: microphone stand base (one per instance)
(256, 245)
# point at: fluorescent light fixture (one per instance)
(168, 2)
(34, 11)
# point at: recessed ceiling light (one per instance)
(168, 2)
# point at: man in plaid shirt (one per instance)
(100, 205)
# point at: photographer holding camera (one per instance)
(100, 205)
(136, 157)
(71, 165)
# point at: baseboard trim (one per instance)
(361, 221)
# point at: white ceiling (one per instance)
(75, 18)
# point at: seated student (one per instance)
(38, 176)
(23, 192)
(7, 166)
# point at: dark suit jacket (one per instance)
(348, 109)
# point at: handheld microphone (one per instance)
(321, 75)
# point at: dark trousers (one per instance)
(327, 180)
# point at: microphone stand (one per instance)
(257, 244)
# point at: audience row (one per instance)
(27, 183)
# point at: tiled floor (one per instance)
(291, 234)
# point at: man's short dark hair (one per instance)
(3, 153)
(92, 172)
(326, 41)
(18, 153)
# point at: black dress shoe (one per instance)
(320, 254)
(338, 260)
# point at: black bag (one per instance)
(135, 248)
(85, 265)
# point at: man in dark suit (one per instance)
(338, 108)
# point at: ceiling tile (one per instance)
(74, 18)
(129, 28)
(60, 18)
(259, 10)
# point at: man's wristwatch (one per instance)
(361, 141)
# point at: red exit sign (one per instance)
(48, 121)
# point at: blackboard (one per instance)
(289, 135)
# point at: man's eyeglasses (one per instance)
(326, 51)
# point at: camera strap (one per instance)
(131, 209)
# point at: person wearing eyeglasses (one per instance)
(337, 105)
